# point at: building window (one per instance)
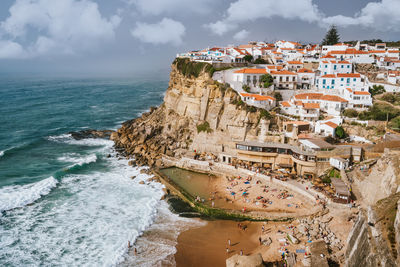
(348, 80)
(348, 66)
(342, 66)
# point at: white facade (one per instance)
(339, 163)
(260, 101)
(333, 67)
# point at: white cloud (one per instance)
(62, 26)
(164, 32)
(158, 7)
(243, 34)
(384, 16)
(249, 10)
(10, 49)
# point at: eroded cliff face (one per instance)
(383, 180)
(190, 103)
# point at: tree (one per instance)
(267, 80)
(278, 96)
(376, 90)
(248, 58)
(339, 132)
(246, 88)
(395, 123)
(260, 61)
(332, 36)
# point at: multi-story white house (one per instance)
(331, 104)
(249, 77)
(284, 79)
(294, 65)
(339, 81)
(305, 79)
(357, 99)
(260, 101)
(333, 66)
(306, 111)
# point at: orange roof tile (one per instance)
(329, 76)
(348, 89)
(295, 62)
(309, 96)
(328, 56)
(258, 97)
(331, 124)
(252, 71)
(310, 105)
(286, 104)
(298, 103)
(333, 98)
(304, 70)
(361, 93)
(348, 75)
(377, 51)
(283, 72)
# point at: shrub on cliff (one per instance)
(192, 68)
(204, 127)
(351, 113)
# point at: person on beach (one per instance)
(129, 244)
(135, 252)
(259, 239)
(229, 242)
(241, 252)
(227, 250)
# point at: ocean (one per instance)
(66, 202)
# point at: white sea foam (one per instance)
(1, 153)
(77, 159)
(88, 221)
(68, 139)
(17, 196)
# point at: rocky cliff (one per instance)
(197, 114)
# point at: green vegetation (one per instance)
(204, 127)
(246, 88)
(260, 61)
(278, 96)
(395, 123)
(326, 180)
(334, 173)
(267, 80)
(193, 69)
(351, 113)
(393, 98)
(376, 90)
(340, 133)
(248, 58)
(332, 36)
(380, 112)
(264, 114)
(376, 41)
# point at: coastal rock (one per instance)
(91, 134)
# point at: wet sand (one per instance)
(206, 246)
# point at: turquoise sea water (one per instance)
(63, 202)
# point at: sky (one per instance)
(128, 37)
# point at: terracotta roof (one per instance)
(329, 76)
(349, 89)
(344, 62)
(309, 96)
(298, 103)
(393, 51)
(252, 71)
(286, 104)
(295, 62)
(331, 124)
(348, 75)
(311, 105)
(328, 56)
(283, 72)
(304, 70)
(258, 97)
(361, 93)
(333, 98)
(278, 67)
(304, 136)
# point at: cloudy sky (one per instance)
(122, 37)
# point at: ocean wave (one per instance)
(17, 196)
(77, 159)
(1, 153)
(68, 139)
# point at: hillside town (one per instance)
(310, 87)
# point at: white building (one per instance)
(333, 67)
(339, 163)
(260, 101)
(306, 111)
(305, 79)
(284, 79)
(331, 104)
(326, 128)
